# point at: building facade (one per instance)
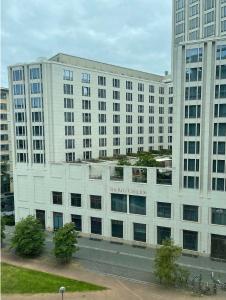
(199, 64)
(5, 143)
(69, 108)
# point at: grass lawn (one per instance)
(17, 280)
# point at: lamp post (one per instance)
(62, 290)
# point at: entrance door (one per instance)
(218, 246)
(57, 220)
(40, 215)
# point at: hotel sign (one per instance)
(127, 191)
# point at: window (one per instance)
(21, 144)
(220, 111)
(57, 198)
(129, 97)
(19, 103)
(57, 220)
(209, 17)
(36, 102)
(68, 103)
(193, 93)
(21, 157)
(129, 85)
(218, 184)
(101, 80)
(95, 202)
(102, 142)
(192, 111)
(102, 130)
(220, 91)
(117, 228)
(18, 75)
(87, 143)
(129, 108)
(219, 148)
(102, 153)
(140, 119)
(86, 91)
(193, 74)
(116, 106)
(68, 117)
(221, 52)
(101, 93)
(151, 88)
(116, 141)
(37, 130)
(38, 158)
(116, 83)
(35, 73)
(119, 202)
(219, 129)
(191, 147)
(96, 225)
(218, 216)
(3, 116)
(85, 78)
(70, 156)
(140, 108)
(209, 30)
(208, 4)
(163, 233)
(221, 71)
(86, 104)
(86, 117)
(129, 129)
(69, 144)
(102, 118)
(69, 130)
(87, 130)
(140, 129)
(68, 89)
(194, 10)
(38, 144)
(37, 116)
(101, 105)
(76, 200)
(191, 182)
(77, 220)
(139, 232)
(87, 155)
(137, 205)
(116, 118)
(68, 75)
(140, 87)
(190, 213)
(218, 166)
(116, 95)
(116, 130)
(192, 129)
(164, 210)
(36, 88)
(140, 97)
(190, 240)
(161, 90)
(18, 89)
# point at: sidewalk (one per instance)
(118, 289)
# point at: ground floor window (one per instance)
(57, 220)
(40, 215)
(96, 225)
(190, 240)
(139, 232)
(163, 233)
(117, 228)
(77, 220)
(218, 246)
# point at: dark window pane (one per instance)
(190, 213)
(77, 220)
(190, 240)
(139, 231)
(117, 228)
(163, 233)
(164, 210)
(76, 200)
(96, 225)
(137, 205)
(57, 198)
(119, 202)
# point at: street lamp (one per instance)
(62, 290)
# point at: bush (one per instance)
(64, 243)
(2, 229)
(147, 160)
(167, 271)
(29, 237)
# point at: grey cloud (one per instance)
(130, 33)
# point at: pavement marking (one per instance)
(148, 258)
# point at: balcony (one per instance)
(116, 173)
(95, 172)
(139, 175)
(164, 176)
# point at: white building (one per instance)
(68, 108)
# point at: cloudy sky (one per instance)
(130, 33)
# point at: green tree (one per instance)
(29, 237)
(147, 160)
(167, 271)
(64, 243)
(2, 229)
(124, 162)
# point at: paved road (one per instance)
(133, 263)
